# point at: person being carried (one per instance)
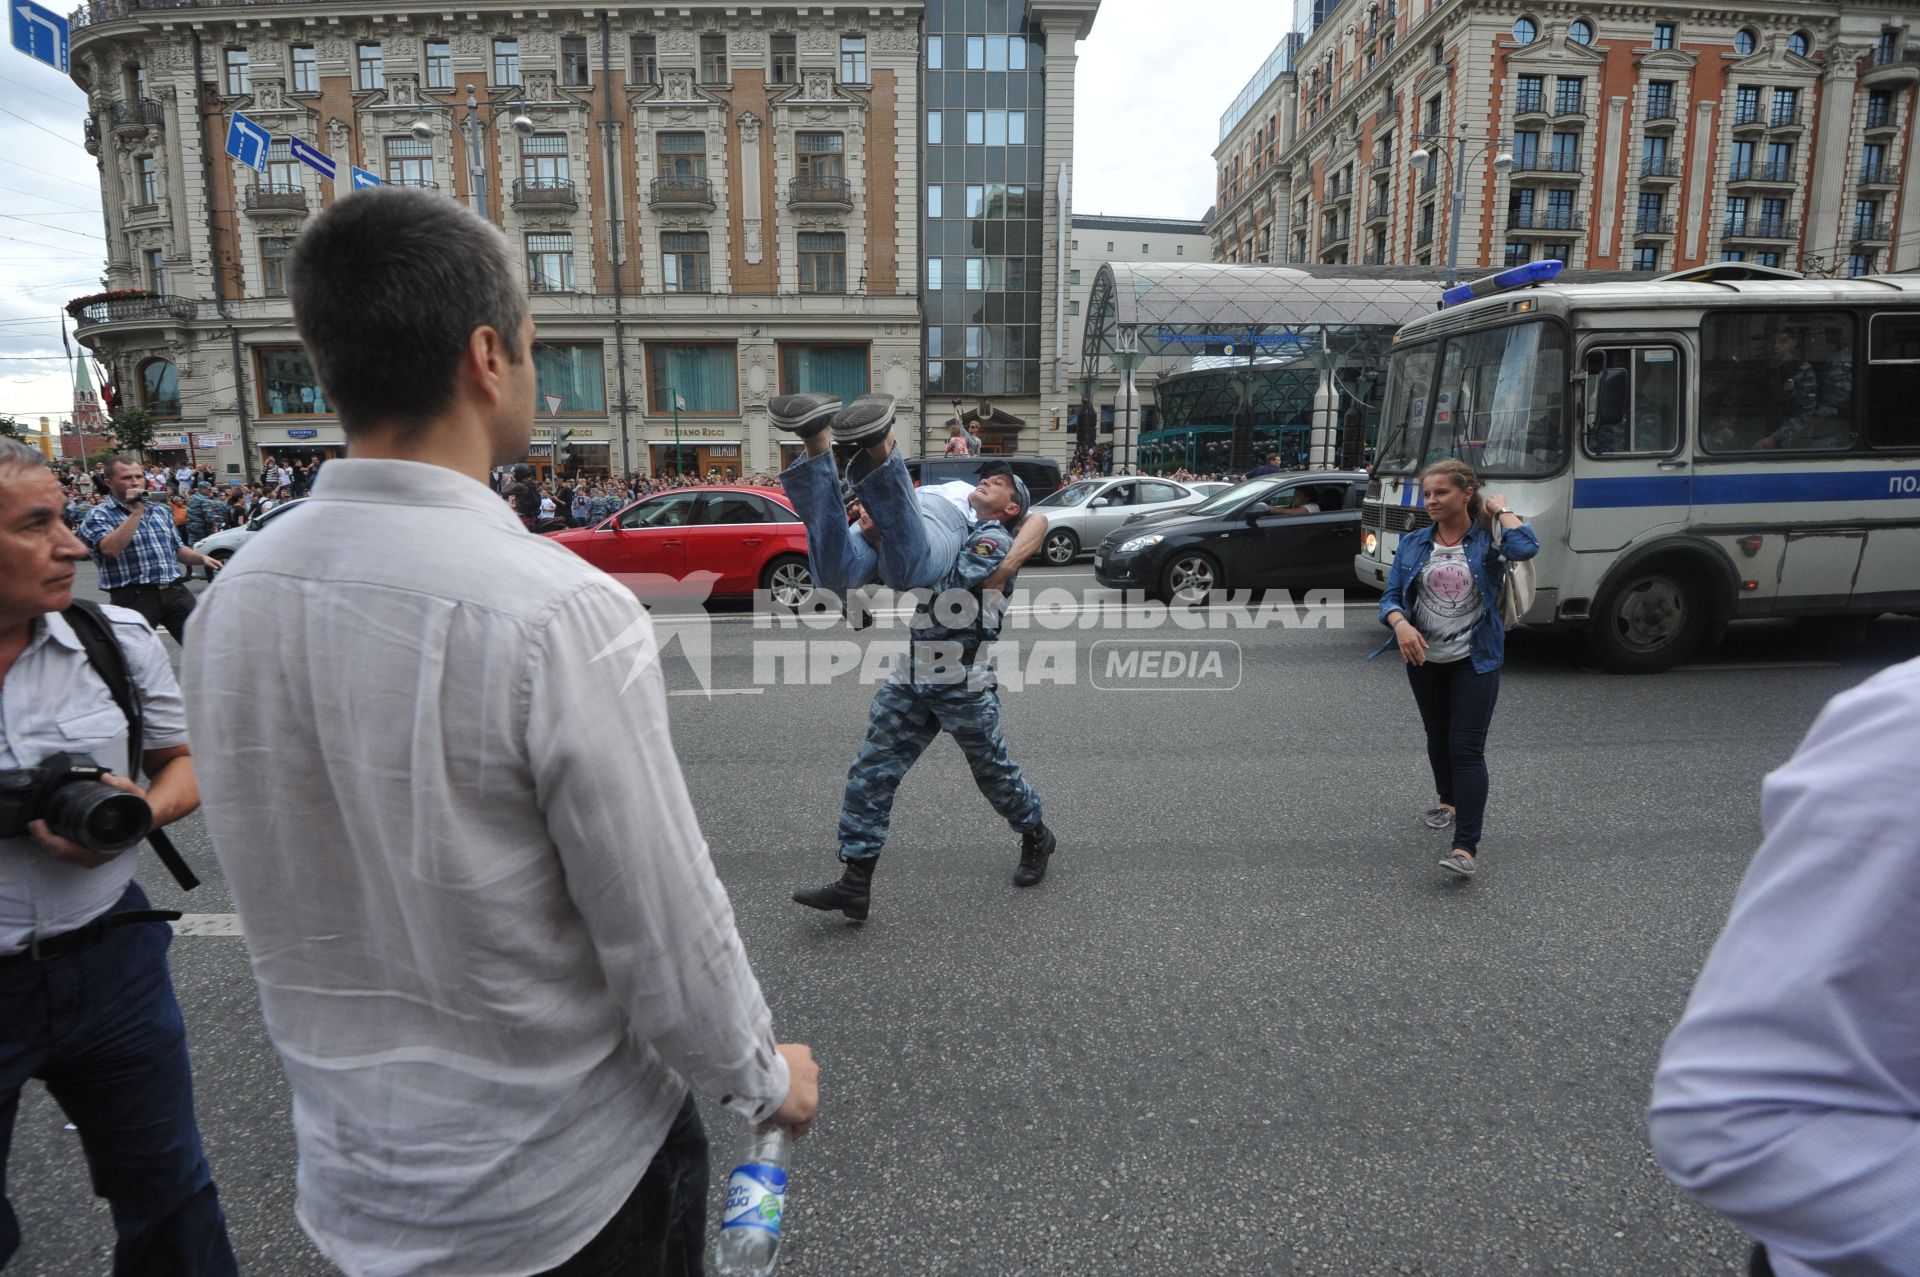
(909, 541)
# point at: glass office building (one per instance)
(985, 199)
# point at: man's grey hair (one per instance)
(15, 455)
(388, 286)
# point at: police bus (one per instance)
(1724, 443)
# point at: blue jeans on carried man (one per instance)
(921, 535)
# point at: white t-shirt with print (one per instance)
(1447, 605)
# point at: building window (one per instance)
(506, 62)
(702, 379)
(1746, 40)
(550, 263)
(1800, 44)
(288, 387)
(1663, 33)
(239, 73)
(1109, 246)
(573, 373)
(1646, 257)
(1581, 32)
(155, 262)
(1660, 100)
(786, 58)
(934, 274)
(148, 174)
(409, 162)
(370, 70)
(283, 171)
(934, 201)
(683, 156)
(1525, 31)
(439, 64)
(1786, 107)
(826, 370)
(683, 262)
(1519, 254)
(543, 161)
(853, 59)
(934, 343)
(643, 61)
(1073, 308)
(160, 388)
(1879, 108)
(936, 52)
(713, 59)
(976, 128)
(976, 274)
(823, 262)
(936, 127)
(1732, 255)
(273, 265)
(1568, 93)
(1179, 250)
(306, 69)
(1073, 277)
(573, 61)
(820, 157)
(1767, 259)
(1859, 264)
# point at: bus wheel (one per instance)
(1649, 622)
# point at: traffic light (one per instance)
(562, 450)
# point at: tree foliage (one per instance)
(133, 428)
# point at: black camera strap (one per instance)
(109, 661)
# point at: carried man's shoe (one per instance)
(866, 420)
(805, 415)
(850, 895)
(1036, 846)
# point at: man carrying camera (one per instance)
(86, 1004)
(142, 563)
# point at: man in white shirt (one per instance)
(489, 943)
(1788, 1097)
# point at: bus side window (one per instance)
(1633, 401)
(1893, 380)
(1777, 381)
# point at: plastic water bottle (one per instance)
(756, 1207)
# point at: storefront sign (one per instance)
(211, 441)
(169, 441)
(693, 432)
(302, 432)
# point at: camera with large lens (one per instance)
(66, 791)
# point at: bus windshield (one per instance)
(1498, 403)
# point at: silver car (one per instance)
(221, 545)
(1080, 515)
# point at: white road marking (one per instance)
(720, 691)
(1760, 665)
(207, 924)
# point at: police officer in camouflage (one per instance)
(958, 544)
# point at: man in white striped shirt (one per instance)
(490, 945)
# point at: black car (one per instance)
(1240, 539)
(1041, 474)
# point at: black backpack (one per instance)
(104, 653)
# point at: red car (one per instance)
(741, 539)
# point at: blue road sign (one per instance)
(363, 179)
(311, 156)
(40, 33)
(247, 141)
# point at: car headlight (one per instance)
(1370, 543)
(1141, 543)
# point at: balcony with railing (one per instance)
(1769, 228)
(545, 193)
(1530, 103)
(680, 192)
(1567, 106)
(1375, 256)
(1334, 236)
(1868, 231)
(1424, 238)
(276, 199)
(414, 183)
(1763, 172)
(1748, 117)
(1647, 225)
(1882, 174)
(1379, 208)
(1339, 192)
(809, 191)
(1545, 219)
(1890, 65)
(135, 310)
(1881, 117)
(135, 116)
(1785, 117)
(1662, 116)
(1548, 166)
(1383, 163)
(1659, 168)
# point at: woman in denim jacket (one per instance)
(1442, 603)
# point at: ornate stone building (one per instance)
(714, 204)
(1645, 137)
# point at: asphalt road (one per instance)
(1247, 1025)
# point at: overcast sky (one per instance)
(1152, 82)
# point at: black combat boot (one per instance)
(850, 895)
(1036, 845)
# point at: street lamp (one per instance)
(477, 159)
(1502, 163)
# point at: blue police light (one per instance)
(1515, 277)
